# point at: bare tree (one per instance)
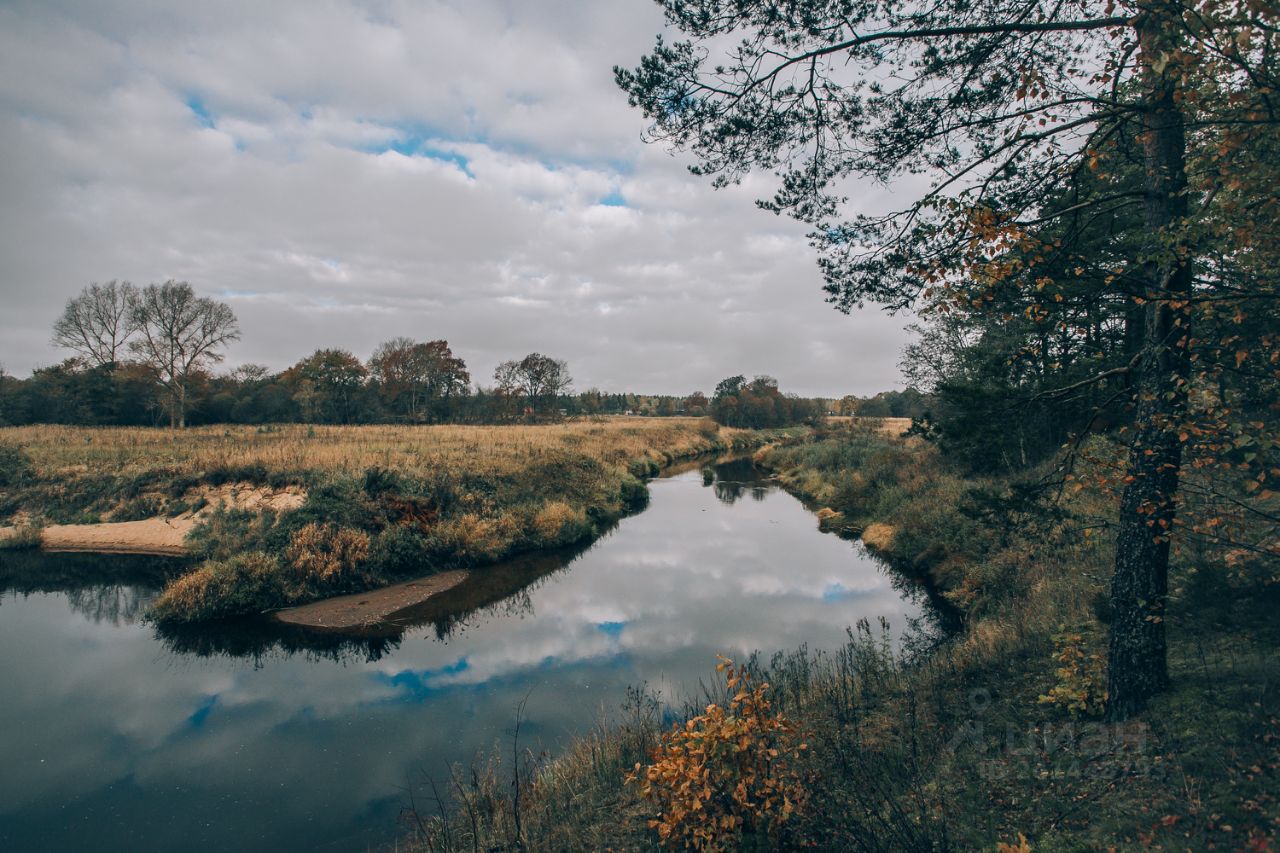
(538, 378)
(178, 335)
(98, 323)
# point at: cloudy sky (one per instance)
(341, 173)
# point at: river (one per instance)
(117, 737)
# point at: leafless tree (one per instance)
(98, 323)
(178, 335)
(538, 378)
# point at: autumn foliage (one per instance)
(728, 775)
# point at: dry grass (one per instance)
(485, 450)
(363, 504)
(879, 536)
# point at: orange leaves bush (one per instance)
(727, 774)
(1081, 685)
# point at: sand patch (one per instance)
(162, 536)
(247, 496)
(368, 608)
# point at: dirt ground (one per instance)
(365, 608)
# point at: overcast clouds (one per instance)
(342, 173)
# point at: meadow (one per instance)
(371, 504)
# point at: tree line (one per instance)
(145, 356)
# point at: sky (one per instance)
(342, 173)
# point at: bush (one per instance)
(633, 493)
(246, 583)
(399, 550)
(557, 523)
(1081, 675)
(727, 775)
(24, 537)
(227, 532)
(327, 558)
(15, 467)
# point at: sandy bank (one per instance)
(162, 536)
(366, 608)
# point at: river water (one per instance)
(114, 736)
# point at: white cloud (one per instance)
(343, 173)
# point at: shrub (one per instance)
(1081, 686)
(470, 538)
(15, 467)
(727, 775)
(246, 583)
(327, 557)
(139, 508)
(226, 532)
(557, 523)
(379, 480)
(21, 538)
(633, 493)
(642, 468)
(399, 550)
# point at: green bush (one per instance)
(246, 583)
(15, 467)
(400, 550)
(633, 493)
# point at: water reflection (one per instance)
(260, 737)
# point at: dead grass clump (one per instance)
(879, 536)
(326, 555)
(557, 523)
(20, 537)
(470, 538)
(246, 583)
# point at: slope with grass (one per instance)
(366, 505)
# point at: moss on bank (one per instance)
(990, 738)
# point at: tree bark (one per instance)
(1137, 666)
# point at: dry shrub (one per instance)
(326, 554)
(879, 536)
(472, 538)
(708, 428)
(557, 523)
(829, 519)
(245, 583)
(727, 775)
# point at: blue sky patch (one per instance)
(614, 199)
(835, 592)
(200, 111)
(417, 683)
(418, 144)
(198, 717)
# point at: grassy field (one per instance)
(376, 502)
(992, 741)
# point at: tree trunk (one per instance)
(1137, 667)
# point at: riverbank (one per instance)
(282, 516)
(993, 738)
